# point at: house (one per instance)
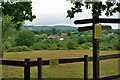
(58, 37)
(63, 38)
(52, 36)
(108, 34)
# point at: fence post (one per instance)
(39, 62)
(85, 67)
(27, 69)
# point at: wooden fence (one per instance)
(39, 63)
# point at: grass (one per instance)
(71, 70)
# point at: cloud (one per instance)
(51, 12)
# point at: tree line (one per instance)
(26, 40)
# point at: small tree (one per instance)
(7, 27)
(6, 30)
(70, 45)
(26, 38)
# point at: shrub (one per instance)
(80, 48)
(25, 48)
(53, 47)
(63, 48)
(70, 45)
(18, 49)
(40, 46)
(85, 46)
(36, 46)
(26, 38)
(7, 45)
(13, 49)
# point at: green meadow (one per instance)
(108, 67)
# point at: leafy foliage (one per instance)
(96, 7)
(75, 41)
(70, 44)
(26, 38)
(18, 49)
(20, 11)
(7, 27)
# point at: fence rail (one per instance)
(61, 61)
(71, 60)
(13, 63)
(27, 64)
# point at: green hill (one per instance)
(58, 27)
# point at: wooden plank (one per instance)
(100, 20)
(106, 27)
(83, 21)
(39, 61)
(62, 61)
(86, 28)
(113, 56)
(110, 77)
(85, 67)
(80, 29)
(13, 63)
(110, 56)
(109, 20)
(71, 60)
(45, 62)
(95, 52)
(27, 69)
(33, 63)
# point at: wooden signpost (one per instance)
(96, 35)
(104, 27)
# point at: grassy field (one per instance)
(72, 70)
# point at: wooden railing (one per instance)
(39, 63)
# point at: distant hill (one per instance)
(58, 27)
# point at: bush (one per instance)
(7, 45)
(25, 48)
(80, 48)
(70, 45)
(26, 38)
(53, 47)
(85, 46)
(44, 46)
(36, 46)
(88, 44)
(18, 49)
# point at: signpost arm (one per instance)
(95, 53)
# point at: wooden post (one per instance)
(39, 61)
(27, 69)
(85, 67)
(95, 53)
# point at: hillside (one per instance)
(58, 27)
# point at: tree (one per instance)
(25, 38)
(6, 30)
(97, 8)
(43, 36)
(7, 27)
(20, 11)
(70, 45)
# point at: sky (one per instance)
(54, 12)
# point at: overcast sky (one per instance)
(54, 12)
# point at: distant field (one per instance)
(72, 70)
